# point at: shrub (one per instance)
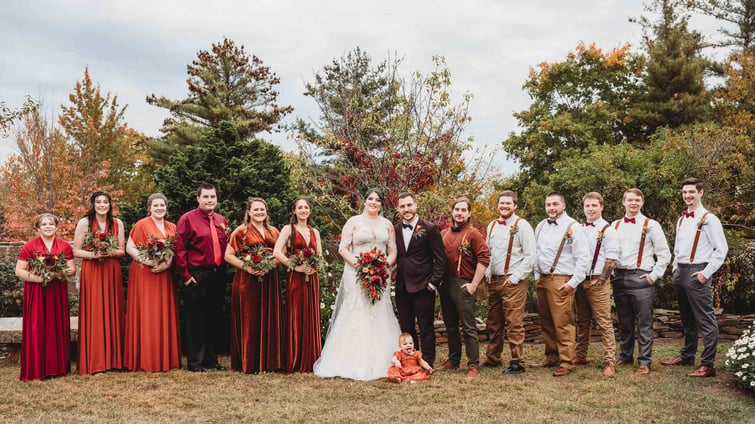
(11, 289)
(740, 359)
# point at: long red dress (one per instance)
(101, 318)
(410, 367)
(303, 343)
(46, 334)
(152, 331)
(255, 310)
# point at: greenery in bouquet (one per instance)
(257, 257)
(373, 273)
(309, 256)
(49, 267)
(157, 250)
(99, 242)
(740, 359)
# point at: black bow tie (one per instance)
(552, 222)
(409, 226)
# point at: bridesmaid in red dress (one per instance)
(302, 317)
(101, 317)
(46, 336)
(255, 297)
(152, 331)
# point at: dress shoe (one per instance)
(394, 379)
(216, 367)
(547, 363)
(200, 369)
(514, 368)
(487, 364)
(679, 361)
(609, 370)
(580, 361)
(702, 371)
(622, 362)
(643, 370)
(562, 372)
(447, 365)
(472, 371)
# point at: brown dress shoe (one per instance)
(447, 365)
(547, 363)
(562, 372)
(621, 362)
(580, 361)
(609, 370)
(679, 361)
(472, 371)
(643, 370)
(702, 371)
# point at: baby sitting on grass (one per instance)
(408, 364)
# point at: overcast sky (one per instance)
(135, 47)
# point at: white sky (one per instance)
(135, 48)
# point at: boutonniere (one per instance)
(514, 230)
(701, 222)
(600, 236)
(419, 232)
(466, 248)
(226, 229)
(568, 237)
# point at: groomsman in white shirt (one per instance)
(593, 297)
(699, 250)
(511, 241)
(643, 258)
(560, 266)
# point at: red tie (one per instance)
(502, 221)
(626, 220)
(215, 242)
(689, 214)
(589, 224)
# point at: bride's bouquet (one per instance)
(373, 273)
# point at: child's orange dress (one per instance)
(410, 368)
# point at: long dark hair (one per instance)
(91, 214)
(294, 220)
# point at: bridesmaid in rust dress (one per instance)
(152, 331)
(302, 317)
(255, 297)
(101, 317)
(45, 340)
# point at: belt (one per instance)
(624, 271)
(205, 269)
(556, 275)
(704, 264)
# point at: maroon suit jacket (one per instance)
(425, 260)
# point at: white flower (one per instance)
(738, 374)
(330, 274)
(742, 349)
(322, 305)
(333, 307)
(727, 363)
(745, 365)
(752, 383)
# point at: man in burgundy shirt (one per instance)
(201, 237)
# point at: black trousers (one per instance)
(203, 303)
(696, 310)
(418, 306)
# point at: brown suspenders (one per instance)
(697, 235)
(597, 251)
(642, 239)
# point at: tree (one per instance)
(9, 116)
(225, 84)
(740, 13)
(239, 168)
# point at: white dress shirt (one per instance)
(711, 246)
(407, 233)
(609, 248)
(655, 255)
(522, 249)
(574, 259)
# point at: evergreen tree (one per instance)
(739, 13)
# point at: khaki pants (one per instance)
(593, 302)
(556, 310)
(506, 305)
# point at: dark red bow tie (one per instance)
(589, 224)
(689, 214)
(502, 221)
(629, 220)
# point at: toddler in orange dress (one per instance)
(408, 364)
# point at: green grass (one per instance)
(667, 395)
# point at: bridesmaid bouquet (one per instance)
(308, 256)
(373, 273)
(157, 250)
(99, 242)
(257, 257)
(49, 267)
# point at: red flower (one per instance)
(256, 259)
(49, 260)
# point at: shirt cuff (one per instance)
(514, 279)
(574, 283)
(432, 286)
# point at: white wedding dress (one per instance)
(362, 336)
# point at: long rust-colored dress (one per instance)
(152, 331)
(255, 310)
(101, 317)
(303, 342)
(410, 367)
(46, 334)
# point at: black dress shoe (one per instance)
(487, 364)
(514, 368)
(216, 367)
(200, 369)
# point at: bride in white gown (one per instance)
(362, 336)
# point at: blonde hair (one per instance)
(152, 198)
(38, 220)
(403, 337)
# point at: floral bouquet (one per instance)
(257, 257)
(373, 273)
(99, 242)
(740, 359)
(308, 256)
(157, 250)
(49, 267)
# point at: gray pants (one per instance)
(458, 306)
(634, 304)
(696, 309)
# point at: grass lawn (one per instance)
(667, 395)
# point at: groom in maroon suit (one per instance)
(421, 262)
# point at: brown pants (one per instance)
(556, 310)
(506, 303)
(594, 302)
